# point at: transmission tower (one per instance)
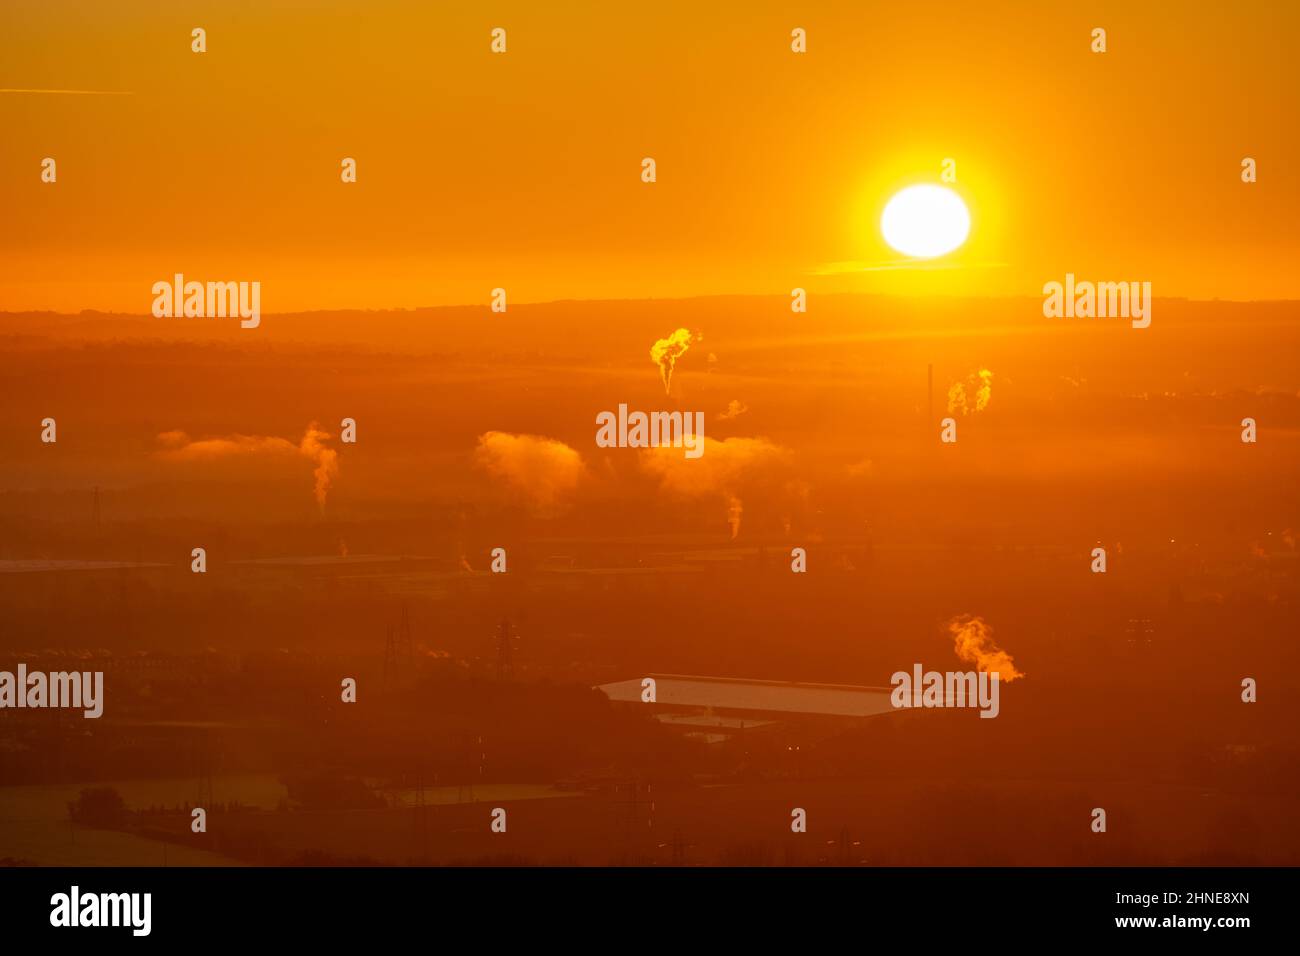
(505, 640)
(472, 759)
(639, 806)
(398, 652)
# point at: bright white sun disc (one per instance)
(925, 221)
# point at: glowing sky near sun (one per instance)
(522, 171)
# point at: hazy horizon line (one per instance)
(685, 298)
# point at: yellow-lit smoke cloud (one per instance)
(973, 643)
(179, 447)
(665, 353)
(542, 472)
(980, 384)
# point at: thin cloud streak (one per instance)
(848, 268)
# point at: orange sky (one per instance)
(522, 170)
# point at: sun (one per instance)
(925, 221)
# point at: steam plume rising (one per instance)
(735, 408)
(980, 383)
(727, 469)
(665, 353)
(973, 643)
(734, 511)
(541, 471)
(179, 447)
(326, 460)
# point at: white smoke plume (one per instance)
(735, 408)
(725, 470)
(973, 643)
(178, 446)
(542, 472)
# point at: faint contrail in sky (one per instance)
(77, 92)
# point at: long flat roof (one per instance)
(729, 693)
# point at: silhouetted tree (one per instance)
(98, 807)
